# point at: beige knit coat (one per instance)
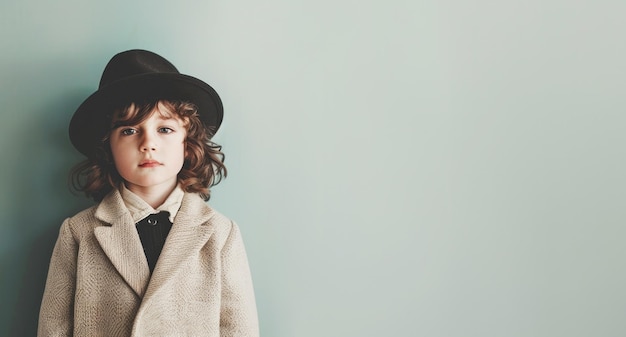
(99, 283)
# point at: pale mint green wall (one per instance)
(398, 168)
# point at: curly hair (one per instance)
(203, 166)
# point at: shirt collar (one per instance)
(140, 209)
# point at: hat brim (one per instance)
(92, 120)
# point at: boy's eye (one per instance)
(128, 131)
(165, 130)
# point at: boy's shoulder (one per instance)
(84, 217)
(193, 207)
(221, 224)
(216, 217)
(85, 214)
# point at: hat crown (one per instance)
(132, 63)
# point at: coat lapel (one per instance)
(120, 242)
(188, 235)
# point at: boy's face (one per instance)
(149, 155)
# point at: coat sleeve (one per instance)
(57, 306)
(238, 317)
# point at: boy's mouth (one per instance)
(149, 163)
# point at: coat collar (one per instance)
(120, 241)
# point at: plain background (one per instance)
(398, 168)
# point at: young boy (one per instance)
(152, 258)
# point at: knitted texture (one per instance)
(99, 283)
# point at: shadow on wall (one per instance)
(36, 162)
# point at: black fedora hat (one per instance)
(139, 76)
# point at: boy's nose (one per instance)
(148, 144)
(147, 148)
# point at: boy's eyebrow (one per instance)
(116, 125)
(119, 124)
